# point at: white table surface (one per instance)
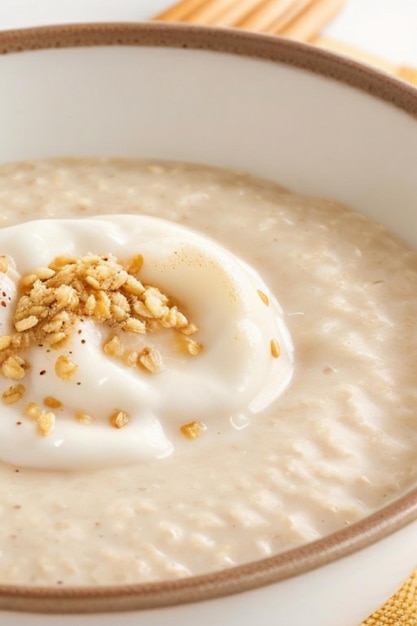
(386, 28)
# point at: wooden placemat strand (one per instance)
(401, 608)
(272, 16)
(302, 20)
(401, 71)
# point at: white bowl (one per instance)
(309, 119)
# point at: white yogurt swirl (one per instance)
(235, 373)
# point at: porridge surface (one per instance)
(338, 444)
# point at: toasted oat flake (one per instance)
(151, 360)
(14, 367)
(135, 264)
(113, 347)
(102, 310)
(43, 273)
(93, 282)
(4, 265)
(263, 297)
(119, 314)
(52, 403)
(134, 286)
(5, 341)
(33, 410)
(13, 394)
(193, 430)
(60, 261)
(58, 339)
(90, 304)
(57, 323)
(192, 347)
(134, 325)
(84, 418)
(65, 368)
(45, 423)
(119, 419)
(275, 349)
(130, 358)
(190, 329)
(28, 280)
(26, 323)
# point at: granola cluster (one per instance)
(99, 287)
(51, 300)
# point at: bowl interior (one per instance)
(279, 110)
(237, 101)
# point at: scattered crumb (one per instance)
(84, 418)
(263, 297)
(275, 349)
(119, 419)
(151, 360)
(45, 423)
(14, 367)
(65, 368)
(13, 394)
(33, 410)
(193, 430)
(52, 403)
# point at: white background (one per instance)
(386, 28)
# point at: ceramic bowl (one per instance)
(313, 121)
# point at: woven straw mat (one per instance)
(400, 610)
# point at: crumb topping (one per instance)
(13, 394)
(119, 419)
(84, 418)
(193, 430)
(275, 348)
(4, 264)
(52, 403)
(14, 367)
(45, 423)
(65, 368)
(53, 298)
(32, 410)
(263, 297)
(50, 302)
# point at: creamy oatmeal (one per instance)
(337, 442)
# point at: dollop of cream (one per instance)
(245, 363)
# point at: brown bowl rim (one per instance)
(393, 517)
